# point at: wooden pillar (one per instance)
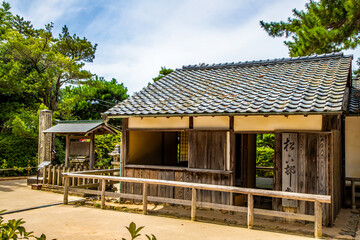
(45, 139)
(145, 193)
(318, 220)
(353, 202)
(44, 174)
(193, 205)
(103, 186)
(277, 202)
(250, 216)
(67, 150)
(124, 143)
(66, 189)
(92, 151)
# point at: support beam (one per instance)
(318, 220)
(66, 189)
(145, 193)
(193, 204)
(250, 216)
(103, 187)
(92, 151)
(353, 202)
(67, 150)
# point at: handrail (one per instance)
(317, 199)
(352, 180)
(16, 169)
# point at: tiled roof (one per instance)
(354, 102)
(290, 85)
(79, 126)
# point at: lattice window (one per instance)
(183, 147)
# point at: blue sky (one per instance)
(135, 38)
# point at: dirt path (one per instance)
(79, 222)
(16, 195)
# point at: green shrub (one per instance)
(134, 232)
(17, 152)
(105, 144)
(13, 229)
(265, 154)
(60, 150)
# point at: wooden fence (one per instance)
(353, 181)
(17, 169)
(250, 210)
(52, 175)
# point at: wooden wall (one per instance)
(207, 149)
(319, 166)
(182, 175)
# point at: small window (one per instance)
(183, 148)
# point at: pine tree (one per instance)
(325, 26)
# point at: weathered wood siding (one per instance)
(179, 175)
(207, 149)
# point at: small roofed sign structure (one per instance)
(81, 130)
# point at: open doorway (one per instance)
(254, 166)
(265, 155)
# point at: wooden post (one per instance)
(78, 181)
(44, 175)
(353, 203)
(193, 204)
(54, 175)
(92, 153)
(318, 220)
(103, 186)
(145, 193)
(73, 178)
(67, 150)
(59, 175)
(66, 189)
(49, 175)
(250, 216)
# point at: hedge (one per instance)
(17, 152)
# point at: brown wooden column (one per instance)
(124, 143)
(277, 205)
(92, 151)
(67, 150)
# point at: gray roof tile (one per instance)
(289, 85)
(354, 102)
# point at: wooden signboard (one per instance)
(289, 166)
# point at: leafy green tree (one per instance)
(162, 73)
(35, 62)
(88, 101)
(325, 26)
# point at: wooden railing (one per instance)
(52, 175)
(353, 180)
(317, 199)
(17, 169)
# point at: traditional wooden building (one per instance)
(199, 124)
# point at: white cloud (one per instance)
(41, 12)
(188, 34)
(136, 38)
